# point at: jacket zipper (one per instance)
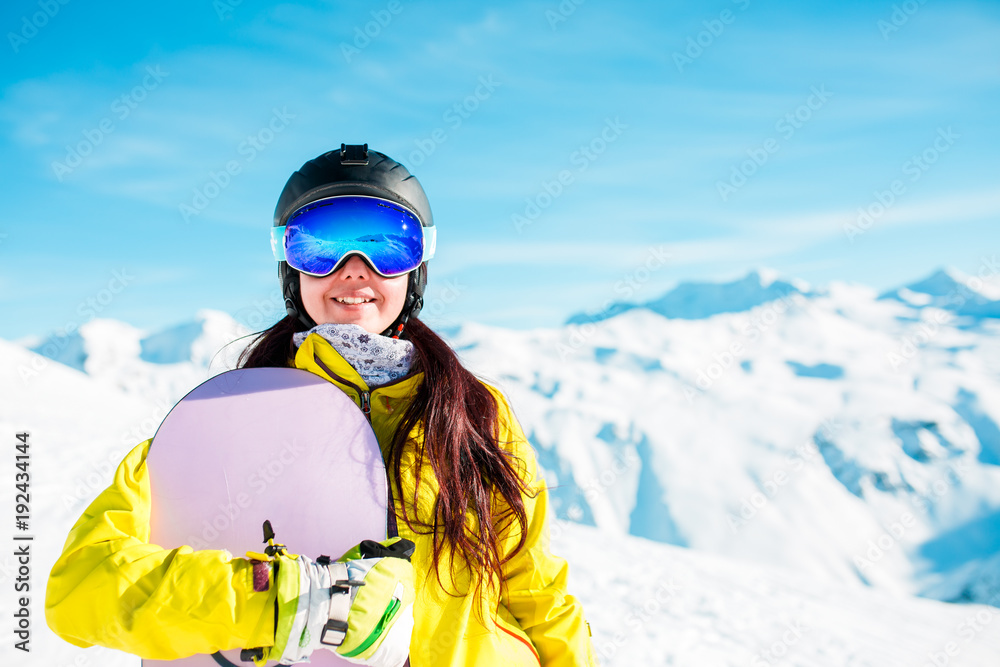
(366, 404)
(366, 407)
(364, 395)
(380, 628)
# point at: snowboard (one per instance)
(277, 444)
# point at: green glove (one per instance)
(359, 606)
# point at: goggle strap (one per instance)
(430, 242)
(278, 243)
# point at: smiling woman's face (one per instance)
(354, 294)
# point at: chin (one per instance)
(364, 323)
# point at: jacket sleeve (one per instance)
(112, 588)
(535, 579)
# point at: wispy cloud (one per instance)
(655, 185)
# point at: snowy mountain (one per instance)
(950, 290)
(698, 300)
(827, 430)
(161, 366)
(848, 438)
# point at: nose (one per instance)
(354, 267)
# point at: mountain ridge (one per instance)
(797, 431)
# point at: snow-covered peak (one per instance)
(699, 300)
(197, 341)
(950, 289)
(121, 355)
(942, 282)
(94, 346)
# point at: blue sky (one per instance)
(564, 148)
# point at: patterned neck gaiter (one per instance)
(378, 359)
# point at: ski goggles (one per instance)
(319, 237)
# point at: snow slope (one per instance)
(653, 604)
(802, 442)
(829, 430)
(648, 603)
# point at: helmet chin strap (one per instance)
(291, 291)
(413, 302)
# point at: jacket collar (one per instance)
(318, 356)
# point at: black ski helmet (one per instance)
(353, 170)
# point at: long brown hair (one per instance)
(475, 475)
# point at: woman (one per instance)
(352, 234)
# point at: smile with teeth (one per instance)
(352, 300)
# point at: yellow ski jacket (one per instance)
(113, 588)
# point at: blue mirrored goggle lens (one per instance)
(320, 235)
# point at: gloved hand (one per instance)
(359, 606)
